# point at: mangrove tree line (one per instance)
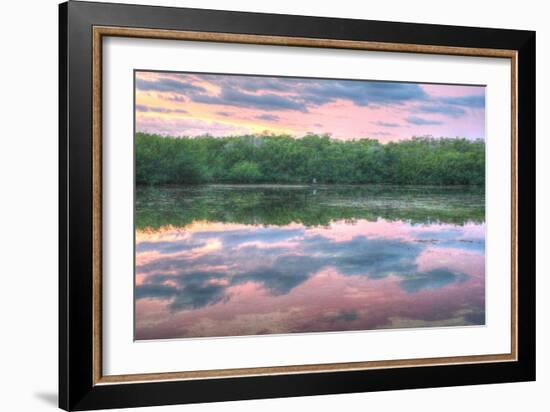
(310, 159)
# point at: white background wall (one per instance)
(28, 203)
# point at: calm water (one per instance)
(247, 260)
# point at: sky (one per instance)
(194, 104)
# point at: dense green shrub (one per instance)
(245, 172)
(312, 158)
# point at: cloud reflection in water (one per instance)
(224, 279)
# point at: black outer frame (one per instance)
(76, 388)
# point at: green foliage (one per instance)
(245, 172)
(312, 158)
(163, 161)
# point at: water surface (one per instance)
(224, 260)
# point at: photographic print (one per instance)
(261, 205)
(276, 205)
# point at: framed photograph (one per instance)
(256, 205)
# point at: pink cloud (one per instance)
(298, 106)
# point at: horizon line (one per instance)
(321, 135)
